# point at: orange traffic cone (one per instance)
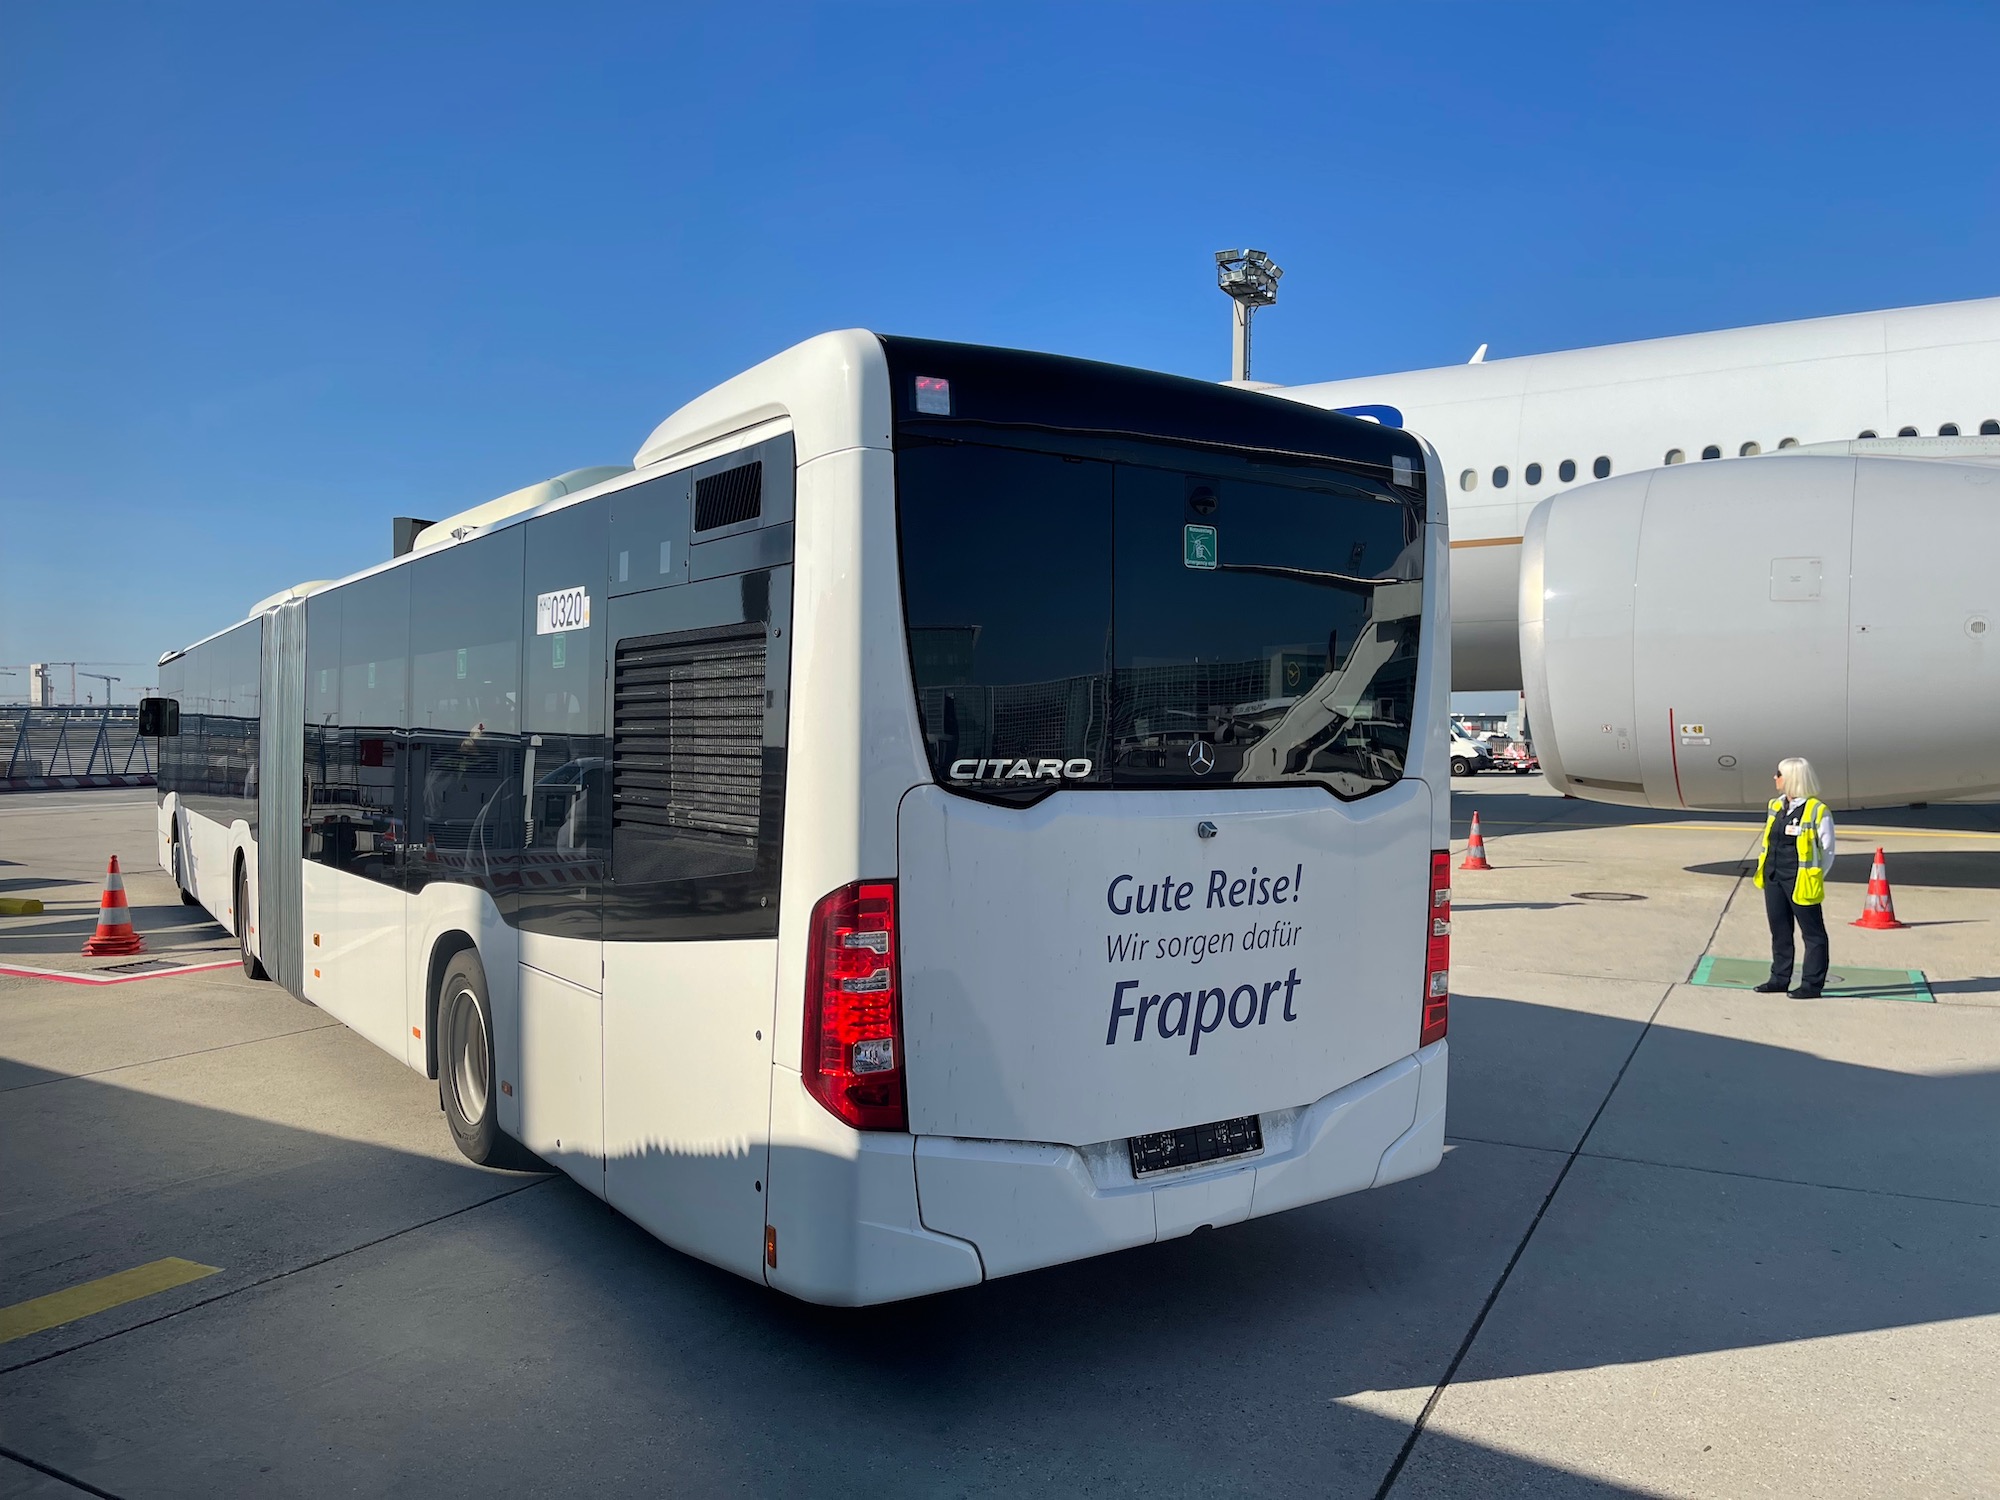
(1879, 910)
(1475, 852)
(114, 920)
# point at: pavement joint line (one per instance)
(88, 1298)
(263, 1281)
(1682, 1166)
(1830, 1187)
(1562, 1175)
(1492, 1297)
(148, 1062)
(57, 1474)
(1452, 1138)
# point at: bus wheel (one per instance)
(465, 1066)
(251, 967)
(180, 880)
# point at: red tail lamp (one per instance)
(1437, 952)
(853, 1055)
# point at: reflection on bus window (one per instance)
(1190, 625)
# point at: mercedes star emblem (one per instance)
(1201, 758)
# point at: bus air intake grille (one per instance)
(687, 749)
(729, 497)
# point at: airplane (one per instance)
(1697, 555)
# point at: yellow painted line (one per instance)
(52, 1311)
(1487, 541)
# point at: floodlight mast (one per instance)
(1250, 277)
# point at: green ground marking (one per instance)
(1843, 981)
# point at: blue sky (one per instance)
(272, 275)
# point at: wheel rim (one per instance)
(469, 1054)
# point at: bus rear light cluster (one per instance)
(853, 1055)
(1437, 951)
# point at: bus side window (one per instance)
(565, 770)
(322, 732)
(463, 781)
(167, 750)
(361, 826)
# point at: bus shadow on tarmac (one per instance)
(1946, 869)
(470, 1328)
(175, 926)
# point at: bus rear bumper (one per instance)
(1025, 1204)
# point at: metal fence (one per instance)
(72, 746)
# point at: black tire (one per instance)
(252, 967)
(179, 882)
(468, 1091)
(1460, 766)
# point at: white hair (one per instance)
(1796, 777)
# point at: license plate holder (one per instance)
(1195, 1145)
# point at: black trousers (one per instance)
(1781, 911)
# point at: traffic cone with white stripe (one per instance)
(114, 933)
(1879, 910)
(1475, 852)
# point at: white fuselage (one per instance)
(1923, 370)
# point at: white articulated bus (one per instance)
(943, 811)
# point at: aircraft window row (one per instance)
(1600, 468)
(1988, 428)
(1714, 451)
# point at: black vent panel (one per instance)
(687, 752)
(729, 497)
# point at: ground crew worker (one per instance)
(1791, 869)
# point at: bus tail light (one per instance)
(853, 1055)
(1437, 951)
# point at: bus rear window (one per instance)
(1156, 617)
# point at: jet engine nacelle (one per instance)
(1684, 629)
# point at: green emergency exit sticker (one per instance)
(561, 655)
(1198, 546)
(461, 661)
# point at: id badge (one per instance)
(1791, 830)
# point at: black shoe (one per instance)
(1773, 986)
(1806, 992)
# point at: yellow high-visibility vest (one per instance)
(1810, 888)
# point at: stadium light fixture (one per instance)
(1250, 278)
